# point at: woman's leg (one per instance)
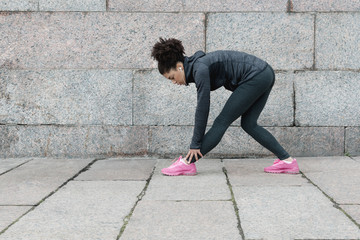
(239, 102)
(261, 135)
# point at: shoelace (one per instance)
(173, 161)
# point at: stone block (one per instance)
(33, 181)
(291, 47)
(352, 140)
(210, 184)
(311, 216)
(89, 40)
(67, 141)
(170, 141)
(353, 211)
(298, 141)
(250, 172)
(97, 141)
(157, 101)
(71, 5)
(235, 6)
(19, 5)
(279, 109)
(9, 214)
(196, 6)
(311, 141)
(66, 97)
(341, 185)
(145, 6)
(23, 141)
(132, 169)
(325, 6)
(7, 164)
(182, 220)
(79, 210)
(327, 98)
(337, 41)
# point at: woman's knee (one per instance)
(222, 120)
(248, 125)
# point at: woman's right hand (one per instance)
(192, 153)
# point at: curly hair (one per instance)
(168, 52)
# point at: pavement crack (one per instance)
(49, 195)
(139, 198)
(336, 205)
(15, 167)
(234, 204)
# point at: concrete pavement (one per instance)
(128, 198)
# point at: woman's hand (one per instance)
(191, 154)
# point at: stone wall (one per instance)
(77, 79)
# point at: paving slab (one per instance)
(250, 172)
(209, 184)
(8, 163)
(327, 164)
(119, 169)
(183, 220)
(302, 212)
(8, 214)
(79, 210)
(353, 211)
(342, 185)
(31, 182)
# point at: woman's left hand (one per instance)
(192, 153)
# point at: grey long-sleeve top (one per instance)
(211, 71)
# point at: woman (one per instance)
(248, 77)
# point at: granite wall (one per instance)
(77, 79)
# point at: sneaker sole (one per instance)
(286, 172)
(179, 174)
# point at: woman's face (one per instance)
(177, 76)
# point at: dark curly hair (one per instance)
(168, 52)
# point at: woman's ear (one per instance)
(180, 66)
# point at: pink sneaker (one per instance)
(175, 161)
(276, 161)
(179, 168)
(283, 167)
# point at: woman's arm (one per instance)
(202, 81)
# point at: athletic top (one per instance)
(211, 71)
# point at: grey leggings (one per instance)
(247, 101)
